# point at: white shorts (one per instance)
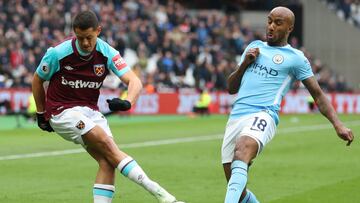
(260, 126)
(72, 123)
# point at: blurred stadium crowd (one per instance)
(348, 10)
(166, 44)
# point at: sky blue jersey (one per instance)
(268, 79)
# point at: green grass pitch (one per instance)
(304, 163)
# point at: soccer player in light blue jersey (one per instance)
(261, 80)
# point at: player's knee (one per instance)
(245, 149)
(110, 151)
(106, 144)
(242, 155)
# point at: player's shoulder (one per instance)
(298, 56)
(61, 50)
(105, 48)
(256, 43)
(295, 51)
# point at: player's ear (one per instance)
(291, 28)
(98, 30)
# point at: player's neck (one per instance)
(280, 44)
(81, 52)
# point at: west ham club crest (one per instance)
(99, 69)
(80, 125)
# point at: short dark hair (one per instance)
(85, 20)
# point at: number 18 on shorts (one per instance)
(260, 126)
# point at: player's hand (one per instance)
(117, 104)
(251, 55)
(345, 134)
(43, 123)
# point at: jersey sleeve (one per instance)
(49, 65)
(303, 69)
(116, 63)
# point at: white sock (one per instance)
(129, 168)
(103, 193)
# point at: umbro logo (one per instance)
(69, 68)
(140, 178)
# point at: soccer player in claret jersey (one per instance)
(261, 79)
(75, 70)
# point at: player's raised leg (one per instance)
(246, 149)
(97, 139)
(129, 168)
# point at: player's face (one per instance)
(87, 38)
(277, 30)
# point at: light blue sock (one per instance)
(103, 193)
(249, 198)
(237, 181)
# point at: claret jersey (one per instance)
(75, 79)
(267, 80)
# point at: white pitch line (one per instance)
(172, 141)
(122, 146)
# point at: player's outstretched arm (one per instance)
(327, 109)
(39, 96)
(134, 86)
(235, 77)
(38, 92)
